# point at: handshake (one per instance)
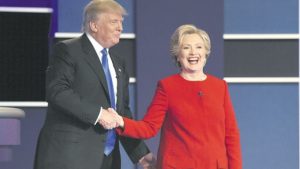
(110, 119)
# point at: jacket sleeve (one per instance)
(60, 91)
(152, 121)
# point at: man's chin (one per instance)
(116, 41)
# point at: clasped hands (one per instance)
(110, 119)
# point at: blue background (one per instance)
(267, 113)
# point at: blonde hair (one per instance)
(179, 34)
(95, 8)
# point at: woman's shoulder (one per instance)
(214, 78)
(170, 78)
(215, 81)
(177, 77)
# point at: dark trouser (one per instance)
(112, 161)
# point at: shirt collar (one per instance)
(96, 45)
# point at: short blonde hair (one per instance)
(179, 34)
(95, 8)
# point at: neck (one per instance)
(194, 76)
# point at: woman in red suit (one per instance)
(193, 109)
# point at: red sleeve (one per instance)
(232, 135)
(152, 121)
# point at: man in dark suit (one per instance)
(83, 80)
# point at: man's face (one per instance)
(108, 29)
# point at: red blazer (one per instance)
(199, 128)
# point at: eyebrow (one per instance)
(191, 44)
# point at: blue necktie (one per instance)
(111, 134)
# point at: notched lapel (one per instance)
(93, 60)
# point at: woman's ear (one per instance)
(177, 58)
(204, 63)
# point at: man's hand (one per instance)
(119, 119)
(108, 119)
(148, 161)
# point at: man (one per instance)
(83, 80)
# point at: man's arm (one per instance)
(59, 86)
(148, 161)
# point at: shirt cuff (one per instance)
(98, 118)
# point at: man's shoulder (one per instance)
(72, 41)
(73, 44)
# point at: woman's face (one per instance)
(192, 54)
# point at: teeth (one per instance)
(193, 60)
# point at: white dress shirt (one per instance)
(98, 48)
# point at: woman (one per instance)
(199, 128)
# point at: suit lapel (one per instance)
(93, 60)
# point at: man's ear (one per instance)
(93, 27)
